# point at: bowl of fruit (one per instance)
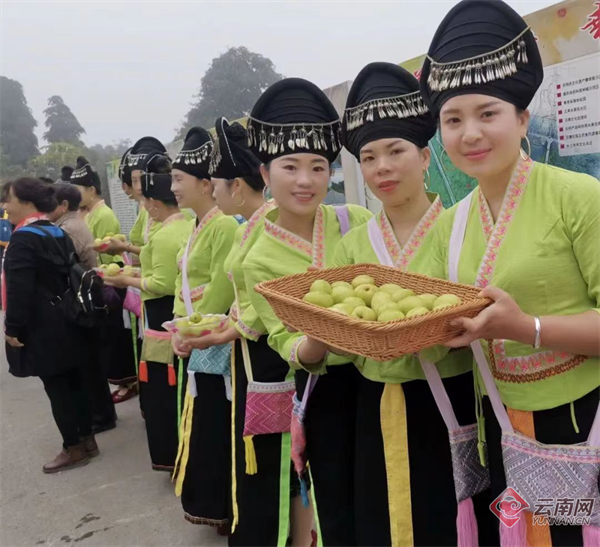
(196, 324)
(372, 310)
(113, 270)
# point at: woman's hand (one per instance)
(14, 342)
(503, 320)
(176, 343)
(119, 281)
(114, 247)
(209, 340)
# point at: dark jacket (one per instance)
(35, 272)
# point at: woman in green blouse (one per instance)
(529, 235)
(203, 469)
(158, 373)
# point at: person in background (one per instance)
(203, 469)
(159, 372)
(65, 173)
(39, 340)
(66, 217)
(119, 354)
(46, 180)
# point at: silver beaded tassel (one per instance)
(196, 156)
(215, 157)
(276, 139)
(496, 65)
(402, 106)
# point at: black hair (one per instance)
(66, 172)
(162, 166)
(36, 192)
(63, 191)
(256, 182)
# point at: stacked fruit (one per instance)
(196, 324)
(363, 299)
(102, 244)
(112, 270)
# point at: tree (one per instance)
(62, 124)
(230, 87)
(17, 139)
(50, 163)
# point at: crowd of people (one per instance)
(410, 451)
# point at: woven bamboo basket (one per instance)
(378, 341)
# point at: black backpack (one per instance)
(82, 304)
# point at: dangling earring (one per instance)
(426, 179)
(442, 159)
(266, 190)
(525, 155)
(238, 204)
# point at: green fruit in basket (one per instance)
(390, 288)
(446, 300)
(344, 309)
(354, 302)
(320, 285)
(319, 299)
(182, 323)
(339, 294)
(127, 270)
(366, 292)
(379, 299)
(402, 294)
(390, 315)
(195, 330)
(113, 269)
(195, 318)
(341, 284)
(103, 267)
(362, 280)
(110, 234)
(409, 303)
(387, 307)
(417, 311)
(428, 300)
(121, 237)
(365, 313)
(97, 242)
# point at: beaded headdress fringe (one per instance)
(402, 106)
(277, 138)
(495, 65)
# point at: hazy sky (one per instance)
(128, 69)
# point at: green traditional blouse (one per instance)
(159, 257)
(356, 248)
(543, 251)
(101, 220)
(143, 229)
(243, 315)
(278, 252)
(210, 243)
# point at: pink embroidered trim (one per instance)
(213, 213)
(293, 359)
(318, 245)
(195, 294)
(287, 238)
(514, 193)
(258, 216)
(173, 218)
(402, 256)
(529, 368)
(576, 453)
(249, 333)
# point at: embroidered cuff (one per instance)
(247, 332)
(295, 363)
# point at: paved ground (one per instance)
(115, 501)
